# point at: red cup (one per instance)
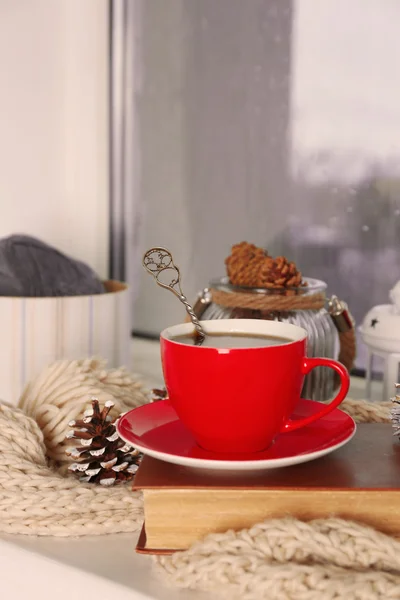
(240, 399)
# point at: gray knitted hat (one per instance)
(29, 267)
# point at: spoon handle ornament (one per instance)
(160, 264)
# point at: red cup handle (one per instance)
(311, 363)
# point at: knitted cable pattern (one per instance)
(62, 392)
(287, 559)
(36, 499)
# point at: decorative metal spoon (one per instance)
(159, 261)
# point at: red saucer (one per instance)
(155, 429)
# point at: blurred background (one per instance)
(275, 122)
(196, 124)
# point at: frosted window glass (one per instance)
(274, 121)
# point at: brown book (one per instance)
(360, 481)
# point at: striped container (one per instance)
(38, 331)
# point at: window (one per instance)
(272, 121)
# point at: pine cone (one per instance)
(279, 273)
(249, 266)
(244, 263)
(157, 394)
(395, 413)
(102, 457)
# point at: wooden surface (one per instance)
(371, 460)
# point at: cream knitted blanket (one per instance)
(277, 559)
(36, 498)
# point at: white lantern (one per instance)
(380, 332)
